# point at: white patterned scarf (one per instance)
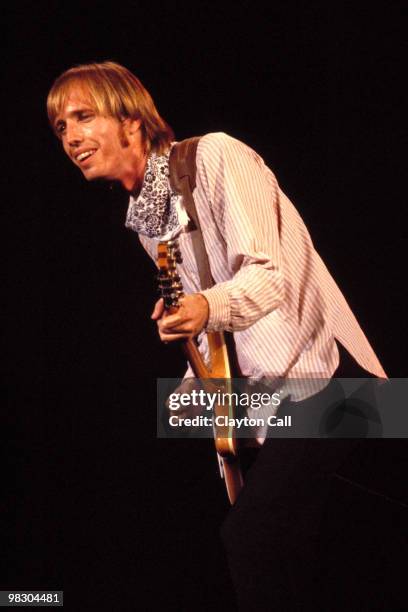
(154, 213)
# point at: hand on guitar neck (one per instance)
(185, 321)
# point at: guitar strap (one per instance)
(183, 169)
(182, 166)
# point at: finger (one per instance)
(172, 321)
(184, 327)
(173, 337)
(158, 309)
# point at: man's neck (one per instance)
(132, 179)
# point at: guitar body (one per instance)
(214, 379)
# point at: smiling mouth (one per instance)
(85, 155)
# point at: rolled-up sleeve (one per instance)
(243, 195)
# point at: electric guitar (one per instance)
(214, 379)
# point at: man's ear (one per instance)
(131, 126)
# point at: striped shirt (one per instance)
(272, 288)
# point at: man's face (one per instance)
(97, 144)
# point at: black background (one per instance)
(92, 502)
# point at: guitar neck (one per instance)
(195, 359)
(192, 354)
(168, 255)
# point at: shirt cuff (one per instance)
(219, 308)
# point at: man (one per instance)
(271, 289)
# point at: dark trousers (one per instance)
(315, 528)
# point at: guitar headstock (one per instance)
(170, 287)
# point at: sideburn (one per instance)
(123, 139)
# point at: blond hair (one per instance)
(113, 91)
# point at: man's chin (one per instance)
(97, 178)
(90, 175)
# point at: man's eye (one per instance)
(86, 116)
(60, 128)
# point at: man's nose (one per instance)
(73, 134)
